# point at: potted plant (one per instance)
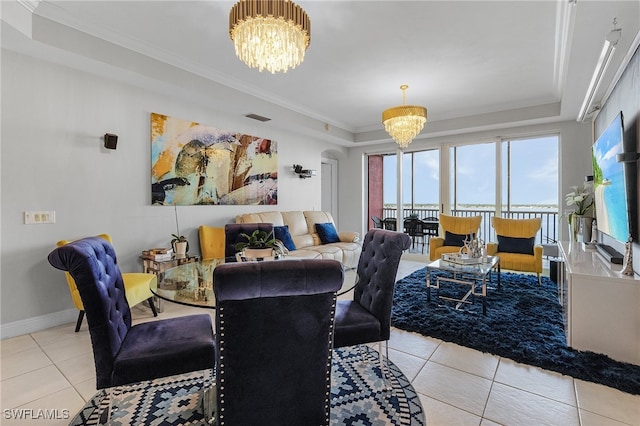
(582, 200)
(259, 244)
(179, 244)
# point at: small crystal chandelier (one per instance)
(404, 122)
(269, 34)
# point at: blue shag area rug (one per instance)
(524, 322)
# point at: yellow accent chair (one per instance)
(212, 242)
(516, 244)
(452, 228)
(136, 286)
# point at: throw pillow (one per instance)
(457, 240)
(515, 245)
(282, 233)
(327, 233)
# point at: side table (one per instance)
(155, 266)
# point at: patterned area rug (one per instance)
(358, 397)
(524, 323)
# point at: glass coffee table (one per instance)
(189, 284)
(475, 275)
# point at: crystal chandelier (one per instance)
(269, 34)
(404, 122)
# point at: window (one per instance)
(426, 179)
(473, 178)
(530, 182)
(421, 180)
(527, 187)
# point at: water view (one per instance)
(528, 172)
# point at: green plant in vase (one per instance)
(179, 239)
(258, 239)
(259, 244)
(179, 243)
(581, 199)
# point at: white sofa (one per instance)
(302, 227)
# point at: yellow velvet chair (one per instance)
(212, 242)
(136, 286)
(458, 225)
(515, 244)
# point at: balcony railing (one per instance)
(548, 233)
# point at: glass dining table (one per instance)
(188, 284)
(191, 283)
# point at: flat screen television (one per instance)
(609, 187)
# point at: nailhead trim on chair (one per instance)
(221, 332)
(327, 404)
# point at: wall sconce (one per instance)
(303, 173)
(110, 140)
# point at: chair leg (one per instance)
(113, 394)
(385, 370)
(209, 400)
(361, 351)
(152, 306)
(539, 279)
(79, 322)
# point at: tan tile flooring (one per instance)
(53, 370)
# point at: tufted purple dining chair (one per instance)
(274, 323)
(367, 318)
(124, 353)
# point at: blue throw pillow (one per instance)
(282, 233)
(515, 245)
(327, 233)
(457, 240)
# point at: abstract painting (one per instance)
(194, 164)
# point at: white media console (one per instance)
(601, 306)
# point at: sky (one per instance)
(534, 173)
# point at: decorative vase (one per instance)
(180, 248)
(574, 227)
(585, 225)
(250, 253)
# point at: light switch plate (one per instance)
(34, 217)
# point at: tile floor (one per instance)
(53, 370)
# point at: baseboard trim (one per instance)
(30, 325)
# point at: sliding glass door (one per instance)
(421, 181)
(530, 182)
(515, 178)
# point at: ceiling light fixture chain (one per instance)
(269, 34)
(404, 122)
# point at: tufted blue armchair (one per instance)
(124, 353)
(274, 323)
(367, 318)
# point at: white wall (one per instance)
(52, 158)
(53, 119)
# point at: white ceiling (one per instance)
(473, 64)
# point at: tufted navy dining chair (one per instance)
(274, 323)
(367, 318)
(124, 353)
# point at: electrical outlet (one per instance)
(35, 217)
